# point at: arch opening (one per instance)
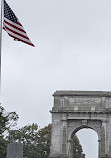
(88, 140)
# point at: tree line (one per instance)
(36, 141)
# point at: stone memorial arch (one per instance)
(75, 110)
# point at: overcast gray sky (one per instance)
(72, 52)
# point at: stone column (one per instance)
(15, 150)
(63, 155)
(55, 148)
(104, 150)
(99, 148)
(64, 137)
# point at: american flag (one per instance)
(13, 27)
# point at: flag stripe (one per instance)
(15, 30)
(27, 42)
(17, 36)
(7, 23)
(16, 33)
(14, 24)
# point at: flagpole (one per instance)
(1, 25)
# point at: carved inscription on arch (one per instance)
(82, 101)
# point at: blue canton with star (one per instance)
(8, 13)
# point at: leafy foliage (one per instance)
(44, 141)
(7, 121)
(3, 147)
(36, 142)
(77, 148)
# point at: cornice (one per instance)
(82, 93)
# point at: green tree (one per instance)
(44, 141)
(77, 148)
(36, 141)
(3, 147)
(7, 121)
(28, 136)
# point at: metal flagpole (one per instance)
(1, 26)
